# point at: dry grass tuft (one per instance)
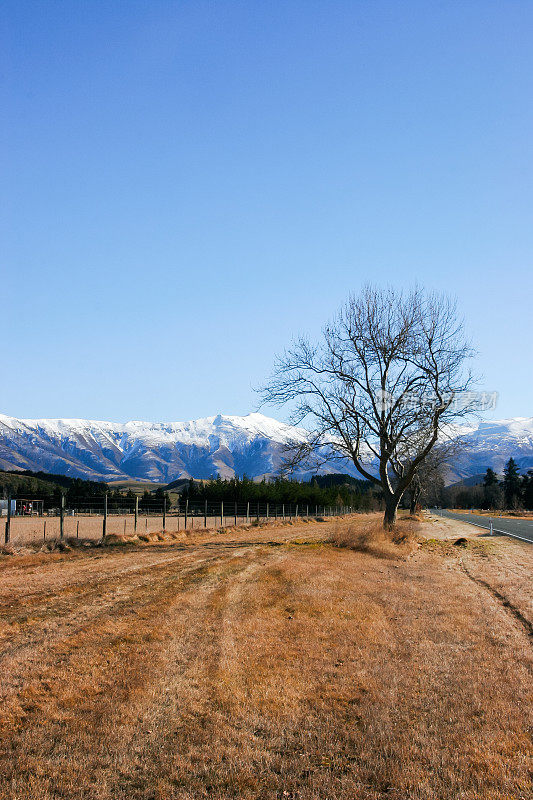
(114, 539)
(366, 534)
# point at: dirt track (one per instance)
(266, 663)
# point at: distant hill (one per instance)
(474, 480)
(38, 484)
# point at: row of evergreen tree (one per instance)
(49, 487)
(323, 490)
(514, 492)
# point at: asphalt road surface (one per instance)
(517, 528)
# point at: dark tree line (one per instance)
(326, 490)
(49, 488)
(322, 490)
(513, 492)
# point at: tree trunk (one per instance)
(391, 507)
(415, 497)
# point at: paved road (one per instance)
(517, 528)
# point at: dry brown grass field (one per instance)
(317, 660)
(28, 530)
(521, 514)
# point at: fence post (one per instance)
(104, 524)
(221, 513)
(186, 511)
(235, 514)
(205, 514)
(62, 516)
(78, 529)
(257, 514)
(44, 531)
(164, 514)
(307, 514)
(296, 513)
(248, 512)
(268, 509)
(283, 511)
(8, 520)
(136, 512)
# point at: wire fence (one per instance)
(94, 519)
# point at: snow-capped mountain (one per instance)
(492, 444)
(223, 445)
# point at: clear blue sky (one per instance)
(187, 185)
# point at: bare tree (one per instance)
(428, 479)
(386, 378)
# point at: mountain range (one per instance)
(221, 445)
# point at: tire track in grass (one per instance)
(142, 606)
(181, 717)
(504, 601)
(30, 644)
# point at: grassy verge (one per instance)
(341, 664)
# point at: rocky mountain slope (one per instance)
(224, 445)
(491, 444)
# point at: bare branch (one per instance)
(380, 387)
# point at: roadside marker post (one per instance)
(8, 520)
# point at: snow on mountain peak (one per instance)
(223, 444)
(163, 451)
